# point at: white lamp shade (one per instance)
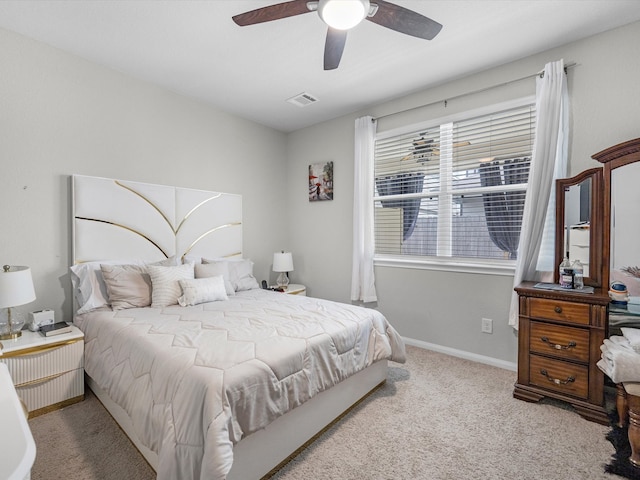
(343, 14)
(282, 262)
(16, 287)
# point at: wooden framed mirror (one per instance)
(579, 223)
(621, 228)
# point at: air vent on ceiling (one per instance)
(302, 100)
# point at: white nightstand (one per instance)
(296, 289)
(48, 372)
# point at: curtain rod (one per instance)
(473, 92)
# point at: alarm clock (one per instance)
(40, 318)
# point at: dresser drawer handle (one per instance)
(557, 346)
(40, 380)
(557, 381)
(558, 309)
(25, 352)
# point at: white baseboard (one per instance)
(462, 354)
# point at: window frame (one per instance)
(449, 264)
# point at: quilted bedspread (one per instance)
(196, 380)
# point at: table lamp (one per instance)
(283, 263)
(16, 288)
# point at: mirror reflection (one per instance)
(577, 223)
(625, 227)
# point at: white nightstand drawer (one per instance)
(47, 372)
(32, 364)
(50, 391)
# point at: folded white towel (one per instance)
(620, 362)
(607, 368)
(614, 343)
(618, 341)
(633, 335)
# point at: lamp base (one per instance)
(11, 323)
(11, 335)
(283, 280)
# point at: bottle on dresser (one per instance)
(578, 274)
(566, 273)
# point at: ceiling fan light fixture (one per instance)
(343, 14)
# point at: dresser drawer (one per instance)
(564, 377)
(559, 310)
(48, 392)
(560, 341)
(45, 361)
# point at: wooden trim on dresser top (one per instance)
(619, 155)
(599, 296)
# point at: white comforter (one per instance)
(196, 380)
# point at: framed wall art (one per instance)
(321, 181)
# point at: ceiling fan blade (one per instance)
(406, 21)
(333, 48)
(272, 12)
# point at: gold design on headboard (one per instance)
(174, 230)
(234, 224)
(228, 255)
(195, 208)
(126, 228)
(149, 202)
(167, 221)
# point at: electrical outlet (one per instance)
(487, 325)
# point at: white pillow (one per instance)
(205, 270)
(129, 286)
(89, 286)
(240, 273)
(200, 290)
(90, 290)
(196, 259)
(165, 283)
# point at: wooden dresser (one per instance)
(559, 340)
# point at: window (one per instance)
(454, 190)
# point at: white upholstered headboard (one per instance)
(118, 219)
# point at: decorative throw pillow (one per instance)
(90, 289)
(205, 270)
(128, 286)
(200, 290)
(240, 273)
(165, 283)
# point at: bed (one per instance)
(209, 375)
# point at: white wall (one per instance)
(61, 115)
(445, 308)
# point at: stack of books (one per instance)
(55, 329)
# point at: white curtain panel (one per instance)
(363, 287)
(549, 162)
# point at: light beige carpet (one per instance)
(437, 417)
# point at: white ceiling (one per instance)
(194, 48)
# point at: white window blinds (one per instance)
(455, 189)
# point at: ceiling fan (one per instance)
(341, 15)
